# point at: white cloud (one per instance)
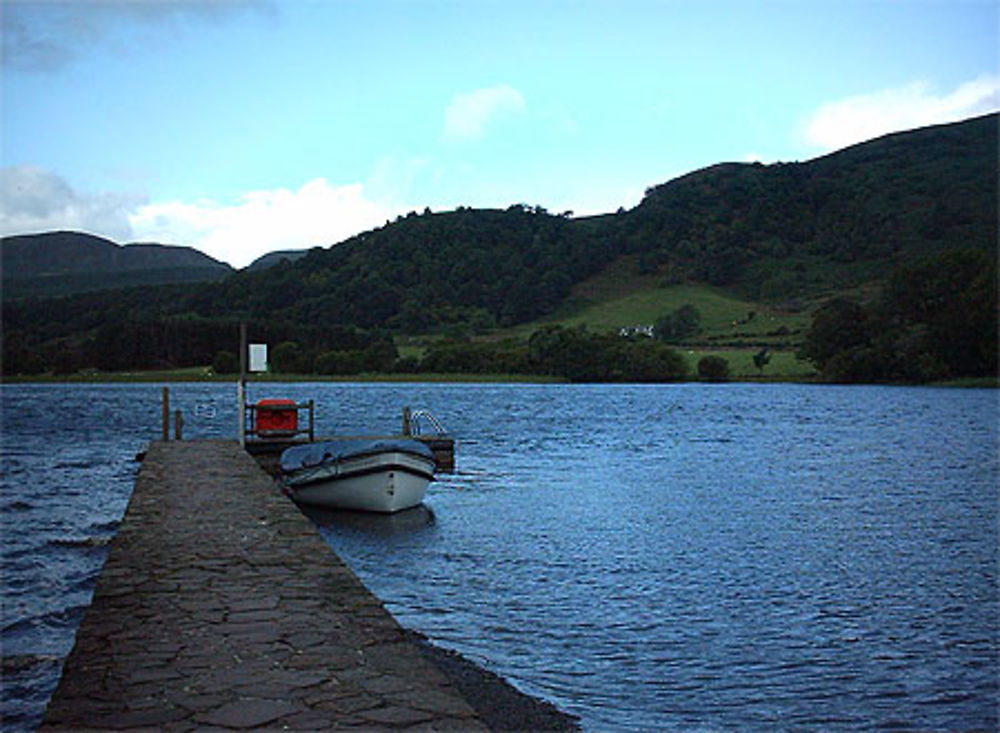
(33, 199)
(856, 119)
(469, 113)
(317, 214)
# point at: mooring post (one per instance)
(166, 413)
(178, 425)
(241, 388)
(312, 420)
(406, 421)
(241, 408)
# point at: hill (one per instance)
(777, 240)
(789, 232)
(63, 263)
(790, 229)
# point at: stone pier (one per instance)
(220, 606)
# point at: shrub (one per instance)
(225, 362)
(713, 369)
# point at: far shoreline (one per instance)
(201, 375)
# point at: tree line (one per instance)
(935, 319)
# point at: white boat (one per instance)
(364, 475)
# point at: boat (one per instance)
(379, 475)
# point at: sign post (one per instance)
(257, 354)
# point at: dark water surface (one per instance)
(646, 557)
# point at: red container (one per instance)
(277, 418)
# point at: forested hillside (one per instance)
(802, 231)
(780, 230)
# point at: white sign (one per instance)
(258, 357)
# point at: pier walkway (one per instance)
(220, 606)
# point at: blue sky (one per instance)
(245, 127)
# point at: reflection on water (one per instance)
(646, 557)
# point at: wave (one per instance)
(63, 618)
(80, 542)
(75, 464)
(28, 663)
(109, 526)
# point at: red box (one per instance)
(277, 417)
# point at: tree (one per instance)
(937, 318)
(64, 361)
(838, 326)
(678, 325)
(761, 359)
(286, 358)
(225, 362)
(713, 369)
(950, 301)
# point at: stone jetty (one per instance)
(220, 606)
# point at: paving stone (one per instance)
(345, 703)
(312, 720)
(387, 685)
(200, 702)
(442, 705)
(247, 713)
(396, 716)
(151, 718)
(154, 674)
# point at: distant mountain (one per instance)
(273, 258)
(62, 263)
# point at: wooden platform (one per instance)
(220, 606)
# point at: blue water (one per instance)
(646, 557)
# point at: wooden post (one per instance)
(166, 413)
(241, 407)
(406, 421)
(178, 425)
(312, 421)
(243, 351)
(241, 388)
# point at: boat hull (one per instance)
(384, 482)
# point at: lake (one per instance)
(644, 556)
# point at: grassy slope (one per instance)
(620, 297)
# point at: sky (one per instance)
(242, 127)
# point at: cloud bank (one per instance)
(469, 113)
(33, 199)
(317, 213)
(864, 117)
(238, 232)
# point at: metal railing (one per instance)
(412, 418)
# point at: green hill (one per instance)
(778, 233)
(620, 297)
(793, 229)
